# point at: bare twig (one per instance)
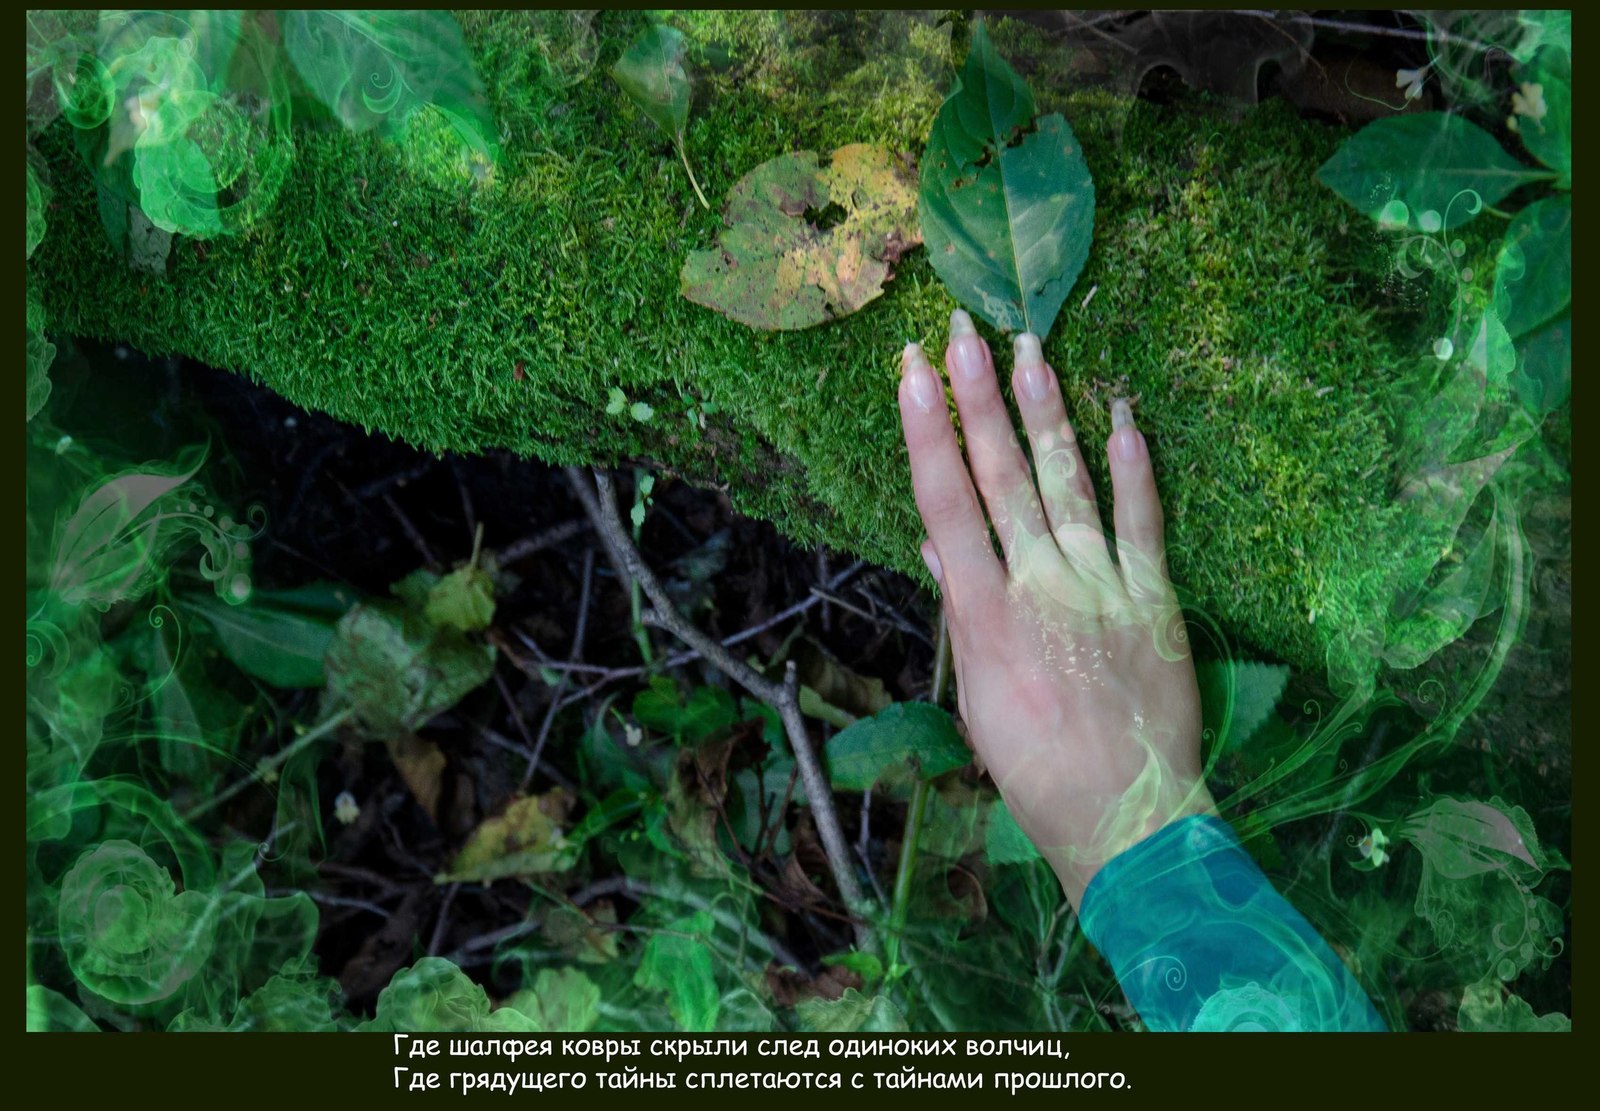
(443, 921)
(785, 696)
(577, 652)
(539, 541)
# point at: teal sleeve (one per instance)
(1201, 940)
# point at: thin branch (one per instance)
(785, 697)
(577, 651)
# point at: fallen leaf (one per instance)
(526, 840)
(421, 765)
(776, 268)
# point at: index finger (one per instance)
(945, 497)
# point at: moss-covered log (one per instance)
(1222, 292)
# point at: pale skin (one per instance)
(1073, 673)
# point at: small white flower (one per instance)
(345, 808)
(632, 734)
(1529, 101)
(1414, 89)
(1443, 348)
(1404, 77)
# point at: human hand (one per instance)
(1073, 672)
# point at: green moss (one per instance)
(1225, 290)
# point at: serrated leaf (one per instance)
(677, 962)
(1533, 274)
(1549, 138)
(652, 73)
(527, 839)
(462, 600)
(1237, 697)
(907, 733)
(1429, 161)
(775, 268)
(1004, 842)
(852, 1011)
(1007, 213)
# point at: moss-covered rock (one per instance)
(1219, 291)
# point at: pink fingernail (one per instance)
(919, 376)
(931, 558)
(1127, 444)
(966, 349)
(1032, 377)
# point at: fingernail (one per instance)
(925, 388)
(1127, 442)
(932, 560)
(1032, 377)
(966, 349)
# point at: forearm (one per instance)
(1201, 940)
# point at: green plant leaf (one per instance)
(651, 72)
(1433, 163)
(1237, 697)
(906, 732)
(1533, 274)
(1007, 210)
(397, 670)
(776, 268)
(274, 636)
(1004, 842)
(851, 1011)
(707, 711)
(462, 600)
(561, 1001)
(1549, 138)
(1545, 378)
(677, 962)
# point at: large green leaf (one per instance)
(651, 72)
(707, 711)
(1432, 163)
(1006, 202)
(915, 732)
(561, 1001)
(1533, 275)
(1004, 842)
(277, 637)
(1548, 136)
